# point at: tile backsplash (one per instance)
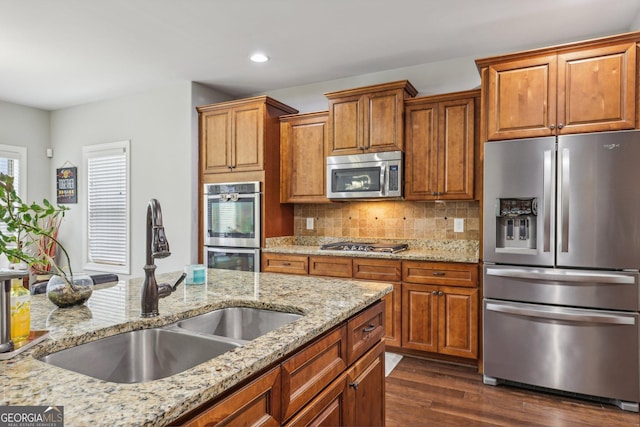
(389, 219)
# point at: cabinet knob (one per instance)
(434, 293)
(354, 385)
(560, 125)
(552, 127)
(440, 293)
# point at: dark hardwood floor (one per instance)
(427, 393)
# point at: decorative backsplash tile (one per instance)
(389, 219)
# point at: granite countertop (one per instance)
(465, 251)
(325, 302)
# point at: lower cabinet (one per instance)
(440, 319)
(315, 386)
(256, 404)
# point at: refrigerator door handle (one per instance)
(564, 191)
(559, 314)
(546, 195)
(559, 277)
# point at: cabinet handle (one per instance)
(560, 125)
(440, 293)
(438, 273)
(354, 385)
(286, 263)
(369, 328)
(552, 127)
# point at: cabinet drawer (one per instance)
(364, 331)
(383, 270)
(289, 264)
(330, 266)
(305, 374)
(439, 273)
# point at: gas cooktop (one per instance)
(365, 247)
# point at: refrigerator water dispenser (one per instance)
(516, 224)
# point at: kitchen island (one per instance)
(324, 302)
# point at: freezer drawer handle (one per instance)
(556, 315)
(572, 277)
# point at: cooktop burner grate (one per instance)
(365, 247)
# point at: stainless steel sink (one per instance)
(240, 323)
(139, 356)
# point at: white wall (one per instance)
(429, 79)
(158, 124)
(29, 127)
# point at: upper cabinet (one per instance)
(440, 139)
(234, 135)
(580, 87)
(303, 141)
(368, 119)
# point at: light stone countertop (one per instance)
(464, 251)
(25, 380)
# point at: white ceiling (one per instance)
(56, 54)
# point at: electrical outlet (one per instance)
(458, 225)
(309, 223)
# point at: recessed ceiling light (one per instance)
(259, 57)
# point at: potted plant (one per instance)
(31, 237)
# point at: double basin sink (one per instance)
(150, 354)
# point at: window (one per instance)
(107, 210)
(13, 162)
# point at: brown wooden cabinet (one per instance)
(579, 87)
(330, 266)
(234, 135)
(314, 386)
(368, 119)
(440, 139)
(436, 318)
(365, 393)
(256, 404)
(303, 141)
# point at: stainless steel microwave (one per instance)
(365, 176)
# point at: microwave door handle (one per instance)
(383, 177)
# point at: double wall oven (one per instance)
(232, 226)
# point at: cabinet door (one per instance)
(308, 372)
(392, 316)
(365, 393)
(455, 149)
(302, 147)
(458, 322)
(521, 98)
(345, 125)
(328, 409)
(256, 404)
(383, 124)
(215, 141)
(596, 89)
(247, 137)
(420, 317)
(421, 151)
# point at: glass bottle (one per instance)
(20, 312)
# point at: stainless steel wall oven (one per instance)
(232, 225)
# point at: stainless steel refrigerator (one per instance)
(562, 251)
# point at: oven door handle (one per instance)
(558, 314)
(559, 277)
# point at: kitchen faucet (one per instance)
(157, 247)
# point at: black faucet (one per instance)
(157, 247)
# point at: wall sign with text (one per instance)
(67, 184)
